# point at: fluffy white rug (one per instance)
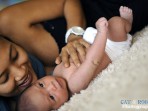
(122, 86)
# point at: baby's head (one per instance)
(47, 93)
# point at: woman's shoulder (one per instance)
(4, 105)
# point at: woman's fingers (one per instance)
(65, 56)
(81, 47)
(80, 51)
(58, 60)
(84, 43)
(74, 51)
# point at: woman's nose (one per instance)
(19, 72)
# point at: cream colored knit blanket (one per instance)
(123, 86)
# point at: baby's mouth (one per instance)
(59, 82)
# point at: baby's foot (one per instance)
(126, 13)
(102, 25)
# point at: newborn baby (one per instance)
(110, 40)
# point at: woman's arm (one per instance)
(20, 23)
(76, 46)
(74, 14)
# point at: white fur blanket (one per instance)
(123, 86)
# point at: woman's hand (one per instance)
(75, 51)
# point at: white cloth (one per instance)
(113, 49)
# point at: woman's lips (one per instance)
(27, 81)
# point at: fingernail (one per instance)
(78, 64)
(57, 62)
(66, 65)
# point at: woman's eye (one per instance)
(7, 77)
(41, 85)
(15, 57)
(4, 78)
(14, 54)
(52, 97)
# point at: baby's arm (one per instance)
(85, 73)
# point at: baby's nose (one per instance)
(52, 86)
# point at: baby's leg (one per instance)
(120, 26)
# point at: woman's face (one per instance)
(16, 72)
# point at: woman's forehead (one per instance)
(4, 52)
(4, 46)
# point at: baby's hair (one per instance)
(24, 104)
